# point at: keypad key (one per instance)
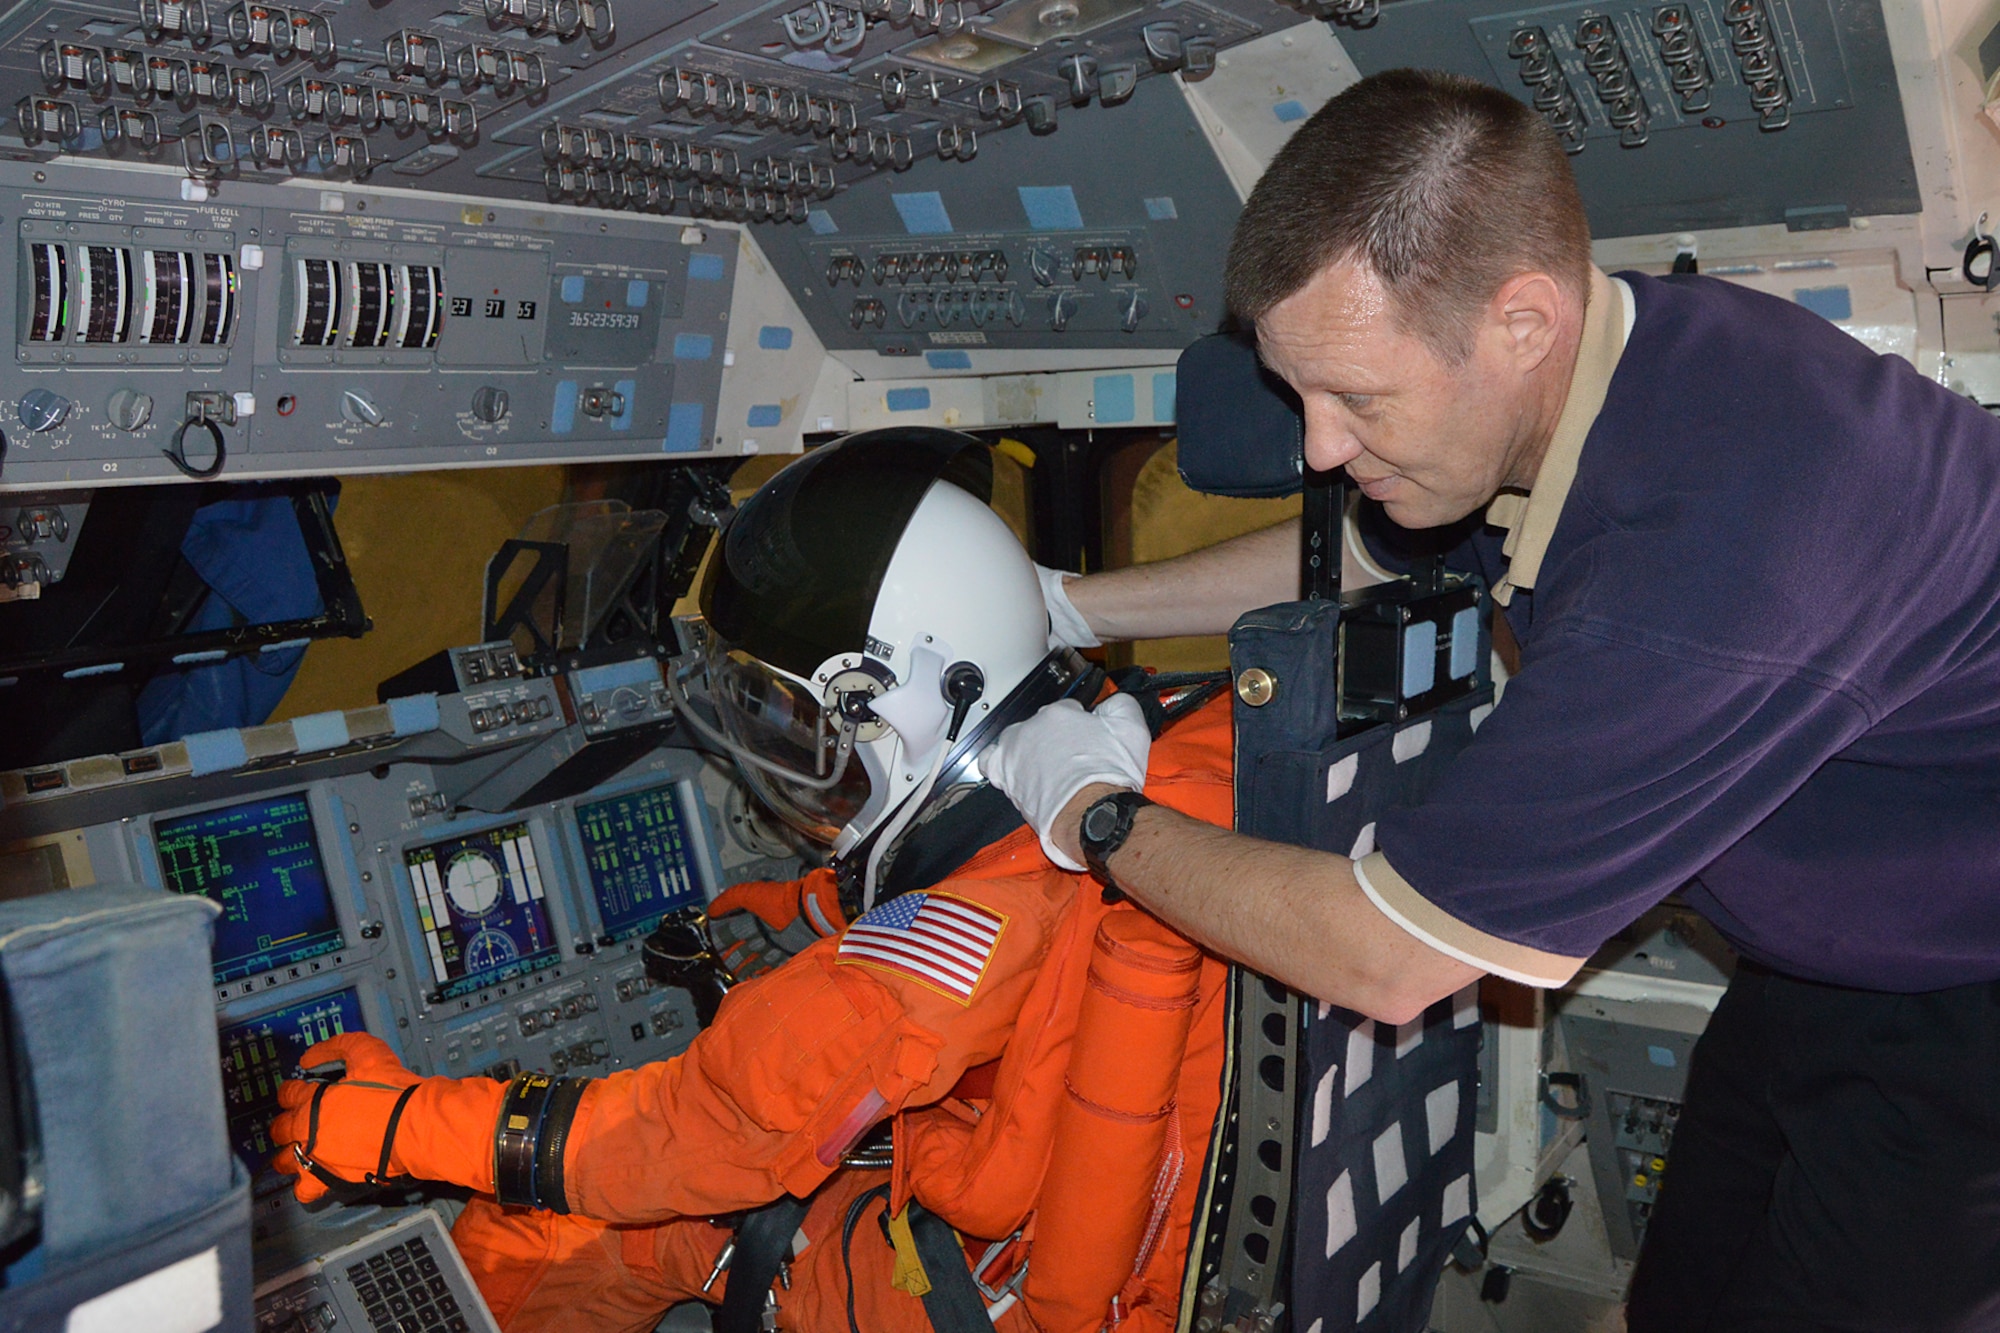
(457, 1324)
(399, 1305)
(439, 1286)
(448, 1304)
(427, 1265)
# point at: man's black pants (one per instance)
(1837, 1166)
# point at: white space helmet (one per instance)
(870, 620)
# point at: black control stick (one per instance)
(678, 953)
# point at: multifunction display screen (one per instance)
(261, 1053)
(479, 902)
(260, 861)
(641, 859)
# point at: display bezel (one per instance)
(556, 897)
(692, 812)
(271, 970)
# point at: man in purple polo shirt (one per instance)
(1754, 573)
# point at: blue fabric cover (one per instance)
(223, 1225)
(253, 558)
(1240, 429)
(109, 991)
(1383, 1181)
(1761, 661)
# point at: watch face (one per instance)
(1099, 822)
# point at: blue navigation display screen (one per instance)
(261, 1053)
(260, 861)
(641, 859)
(479, 901)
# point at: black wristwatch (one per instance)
(1106, 824)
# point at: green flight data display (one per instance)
(641, 859)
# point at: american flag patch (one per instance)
(934, 938)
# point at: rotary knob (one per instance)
(42, 409)
(489, 403)
(1135, 310)
(357, 406)
(129, 409)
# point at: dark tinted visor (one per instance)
(800, 563)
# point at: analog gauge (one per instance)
(473, 884)
(489, 949)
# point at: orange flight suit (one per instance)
(1101, 1036)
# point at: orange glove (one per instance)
(778, 903)
(379, 1121)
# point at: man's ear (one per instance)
(1527, 312)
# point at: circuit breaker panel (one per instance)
(301, 329)
(1687, 114)
(1045, 251)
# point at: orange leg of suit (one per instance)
(543, 1273)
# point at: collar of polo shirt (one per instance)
(1530, 519)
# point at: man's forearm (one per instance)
(1297, 916)
(1202, 592)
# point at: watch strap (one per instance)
(1098, 849)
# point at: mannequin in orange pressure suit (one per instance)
(1056, 1075)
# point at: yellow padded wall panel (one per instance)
(1168, 519)
(417, 543)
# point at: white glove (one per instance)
(1041, 764)
(1067, 627)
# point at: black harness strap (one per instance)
(953, 1303)
(763, 1241)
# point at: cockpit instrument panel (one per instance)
(638, 850)
(259, 1053)
(260, 862)
(482, 912)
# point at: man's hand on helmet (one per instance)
(1042, 764)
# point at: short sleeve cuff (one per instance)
(1392, 894)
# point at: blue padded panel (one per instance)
(414, 715)
(923, 213)
(1113, 399)
(320, 731)
(216, 751)
(684, 435)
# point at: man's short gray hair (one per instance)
(1443, 186)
